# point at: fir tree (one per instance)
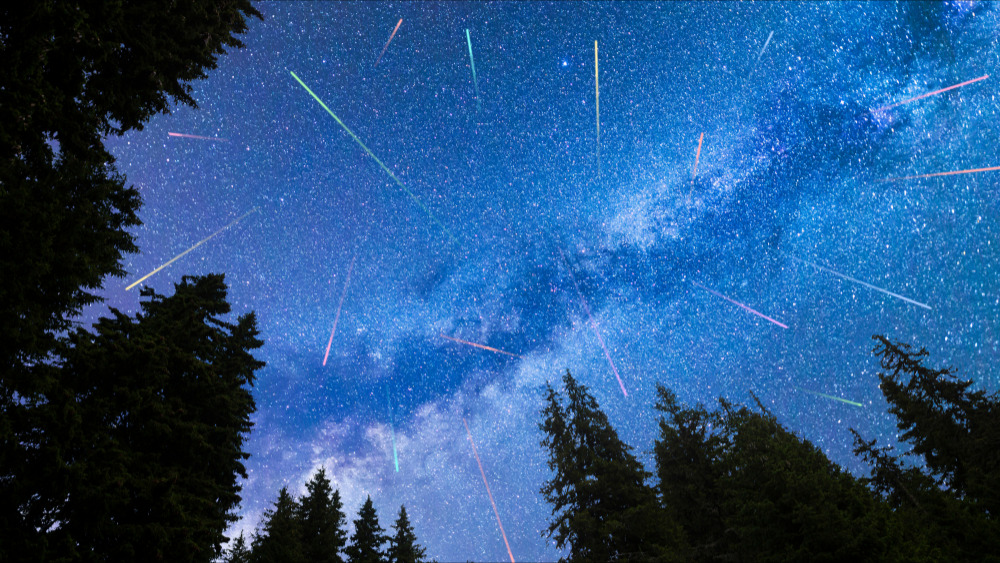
(366, 543)
(322, 521)
(403, 547)
(280, 538)
(238, 552)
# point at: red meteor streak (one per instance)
(759, 314)
(483, 473)
(983, 77)
(186, 136)
(969, 171)
(480, 346)
(389, 41)
(347, 282)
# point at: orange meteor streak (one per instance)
(483, 473)
(694, 174)
(969, 171)
(339, 306)
(389, 41)
(481, 346)
(983, 77)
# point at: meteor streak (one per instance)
(186, 136)
(339, 305)
(384, 167)
(597, 106)
(969, 171)
(695, 172)
(392, 430)
(593, 323)
(831, 397)
(766, 43)
(475, 82)
(483, 473)
(857, 281)
(480, 346)
(983, 77)
(201, 242)
(737, 303)
(389, 41)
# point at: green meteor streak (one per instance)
(831, 397)
(475, 82)
(384, 167)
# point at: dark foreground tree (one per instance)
(149, 430)
(368, 538)
(280, 537)
(603, 509)
(238, 552)
(403, 546)
(322, 521)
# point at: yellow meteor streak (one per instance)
(203, 241)
(597, 98)
(371, 154)
(480, 346)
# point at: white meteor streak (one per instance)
(859, 282)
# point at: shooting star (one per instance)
(969, 171)
(389, 41)
(201, 242)
(186, 136)
(480, 346)
(597, 107)
(593, 323)
(766, 43)
(857, 281)
(384, 167)
(831, 397)
(392, 429)
(475, 81)
(737, 303)
(339, 306)
(483, 473)
(697, 156)
(906, 101)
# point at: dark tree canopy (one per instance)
(403, 546)
(238, 552)
(322, 521)
(368, 538)
(279, 539)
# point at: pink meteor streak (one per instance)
(983, 77)
(347, 282)
(593, 323)
(389, 41)
(186, 136)
(759, 314)
(491, 349)
(483, 473)
(697, 156)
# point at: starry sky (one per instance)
(512, 225)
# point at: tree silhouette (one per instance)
(280, 538)
(403, 547)
(366, 543)
(322, 521)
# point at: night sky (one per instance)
(519, 238)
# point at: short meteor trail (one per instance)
(969, 171)
(766, 43)
(384, 167)
(483, 473)
(339, 306)
(392, 430)
(831, 397)
(201, 242)
(186, 136)
(906, 101)
(694, 173)
(597, 107)
(737, 303)
(857, 281)
(475, 81)
(480, 346)
(389, 41)
(593, 323)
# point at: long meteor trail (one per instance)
(483, 473)
(201, 242)
(389, 41)
(831, 397)
(392, 429)
(186, 136)
(384, 167)
(475, 81)
(593, 323)
(859, 282)
(339, 306)
(480, 346)
(597, 107)
(737, 303)
(969, 171)
(906, 101)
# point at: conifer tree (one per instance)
(322, 521)
(403, 547)
(280, 538)
(238, 552)
(369, 536)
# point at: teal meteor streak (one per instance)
(831, 397)
(384, 167)
(392, 430)
(475, 82)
